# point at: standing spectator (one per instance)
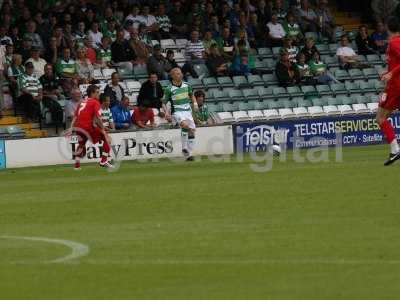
(51, 94)
(309, 49)
(37, 61)
(216, 63)
(31, 33)
(365, 44)
(157, 63)
(380, 37)
(84, 68)
(114, 90)
(151, 93)
(121, 52)
(143, 116)
(105, 113)
(31, 93)
(276, 32)
(95, 34)
(292, 29)
(121, 114)
(285, 71)
(201, 115)
(326, 22)
(15, 71)
(195, 53)
(163, 22)
(103, 54)
(72, 105)
(308, 17)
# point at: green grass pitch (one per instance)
(205, 230)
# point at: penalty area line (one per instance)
(77, 249)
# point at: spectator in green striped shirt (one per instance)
(103, 53)
(66, 69)
(201, 116)
(31, 93)
(292, 29)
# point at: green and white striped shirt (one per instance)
(180, 96)
(164, 23)
(103, 55)
(68, 67)
(106, 117)
(30, 84)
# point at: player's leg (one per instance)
(105, 149)
(191, 137)
(184, 137)
(80, 151)
(388, 131)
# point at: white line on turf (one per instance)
(77, 249)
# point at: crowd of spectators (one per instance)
(49, 48)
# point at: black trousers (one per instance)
(30, 106)
(55, 109)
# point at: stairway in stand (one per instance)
(17, 126)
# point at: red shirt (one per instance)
(91, 54)
(86, 112)
(393, 60)
(145, 117)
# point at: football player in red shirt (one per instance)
(87, 125)
(390, 99)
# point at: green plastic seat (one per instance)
(225, 82)
(140, 72)
(323, 89)
(370, 73)
(342, 75)
(250, 94)
(240, 81)
(210, 82)
(270, 79)
(280, 92)
(356, 74)
(255, 80)
(338, 88)
(235, 95)
(294, 91)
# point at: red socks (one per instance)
(388, 130)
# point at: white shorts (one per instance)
(181, 116)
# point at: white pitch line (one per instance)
(77, 249)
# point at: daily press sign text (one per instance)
(306, 133)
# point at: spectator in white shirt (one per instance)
(72, 105)
(276, 32)
(38, 62)
(347, 57)
(96, 35)
(148, 20)
(134, 17)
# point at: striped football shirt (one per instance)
(179, 96)
(195, 49)
(30, 83)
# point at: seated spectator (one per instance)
(121, 52)
(258, 31)
(292, 29)
(276, 32)
(163, 22)
(171, 63)
(90, 51)
(226, 44)
(143, 116)
(201, 115)
(208, 41)
(31, 93)
(347, 57)
(25, 48)
(80, 34)
(72, 105)
(240, 65)
(243, 49)
(84, 68)
(303, 71)
(216, 63)
(149, 21)
(4, 38)
(241, 36)
(31, 33)
(134, 18)
(309, 49)
(114, 90)
(141, 49)
(122, 114)
(365, 43)
(52, 51)
(280, 11)
(144, 36)
(319, 70)
(95, 34)
(37, 61)
(308, 17)
(69, 36)
(8, 56)
(326, 22)
(214, 26)
(380, 37)
(158, 64)
(285, 71)
(151, 93)
(14, 72)
(179, 19)
(111, 30)
(66, 70)
(195, 53)
(103, 54)
(288, 47)
(51, 94)
(105, 113)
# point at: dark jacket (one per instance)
(121, 52)
(146, 95)
(365, 46)
(108, 91)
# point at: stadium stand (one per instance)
(248, 90)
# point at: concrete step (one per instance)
(8, 120)
(35, 133)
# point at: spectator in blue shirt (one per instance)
(380, 37)
(122, 114)
(240, 65)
